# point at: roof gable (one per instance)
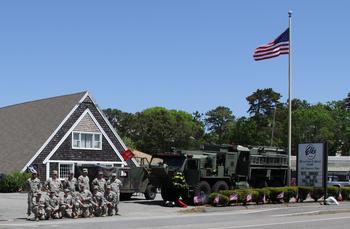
(25, 127)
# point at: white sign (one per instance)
(311, 164)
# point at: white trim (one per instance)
(47, 171)
(54, 133)
(93, 140)
(113, 130)
(87, 111)
(64, 163)
(87, 162)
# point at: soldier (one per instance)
(111, 201)
(38, 206)
(84, 180)
(115, 184)
(100, 182)
(84, 201)
(53, 183)
(99, 203)
(52, 206)
(71, 182)
(33, 185)
(66, 205)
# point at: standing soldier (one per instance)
(111, 201)
(115, 184)
(52, 206)
(71, 182)
(84, 180)
(53, 183)
(66, 205)
(33, 185)
(38, 206)
(100, 182)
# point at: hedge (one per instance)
(218, 200)
(14, 182)
(279, 194)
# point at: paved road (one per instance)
(145, 214)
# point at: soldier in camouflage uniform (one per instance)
(99, 202)
(71, 182)
(84, 180)
(100, 182)
(38, 204)
(115, 184)
(33, 185)
(111, 201)
(83, 202)
(67, 205)
(52, 206)
(54, 184)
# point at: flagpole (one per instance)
(289, 99)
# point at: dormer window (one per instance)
(85, 140)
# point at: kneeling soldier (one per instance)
(66, 205)
(111, 200)
(38, 206)
(99, 202)
(53, 207)
(84, 202)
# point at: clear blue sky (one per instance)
(188, 55)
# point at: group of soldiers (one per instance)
(76, 200)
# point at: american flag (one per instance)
(277, 47)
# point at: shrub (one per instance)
(223, 200)
(238, 192)
(303, 192)
(290, 192)
(263, 195)
(333, 191)
(14, 182)
(316, 193)
(345, 192)
(274, 194)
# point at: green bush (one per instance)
(290, 192)
(274, 192)
(333, 191)
(238, 192)
(316, 193)
(263, 194)
(14, 182)
(303, 192)
(345, 192)
(223, 200)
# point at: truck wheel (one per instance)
(202, 190)
(169, 194)
(150, 192)
(219, 186)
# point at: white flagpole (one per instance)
(289, 100)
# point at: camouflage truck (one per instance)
(216, 168)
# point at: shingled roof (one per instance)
(25, 127)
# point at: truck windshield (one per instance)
(176, 162)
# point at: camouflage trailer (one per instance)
(216, 168)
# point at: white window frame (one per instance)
(59, 169)
(93, 140)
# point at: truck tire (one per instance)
(219, 186)
(169, 193)
(150, 192)
(203, 190)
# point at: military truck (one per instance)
(215, 168)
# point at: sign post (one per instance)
(312, 165)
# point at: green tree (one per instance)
(220, 121)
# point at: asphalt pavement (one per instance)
(140, 213)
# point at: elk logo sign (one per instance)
(311, 165)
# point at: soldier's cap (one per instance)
(85, 170)
(38, 193)
(108, 186)
(71, 172)
(66, 190)
(54, 172)
(114, 174)
(34, 172)
(52, 191)
(100, 173)
(95, 187)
